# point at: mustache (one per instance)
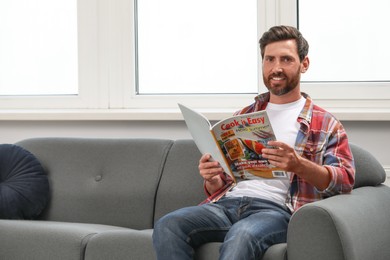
(278, 75)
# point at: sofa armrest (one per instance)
(346, 227)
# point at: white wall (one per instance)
(13, 131)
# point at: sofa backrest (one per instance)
(369, 172)
(101, 181)
(133, 182)
(180, 185)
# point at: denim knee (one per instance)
(170, 240)
(165, 225)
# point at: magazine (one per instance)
(236, 142)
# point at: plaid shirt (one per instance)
(322, 140)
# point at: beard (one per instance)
(279, 89)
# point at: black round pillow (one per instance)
(24, 186)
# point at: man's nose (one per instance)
(277, 68)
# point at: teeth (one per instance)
(277, 78)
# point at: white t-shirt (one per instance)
(283, 118)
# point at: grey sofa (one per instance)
(107, 193)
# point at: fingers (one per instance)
(278, 149)
(280, 145)
(209, 169)
(205, 158)
(282, 156)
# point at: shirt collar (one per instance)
(305, 116)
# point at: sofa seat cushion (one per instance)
(123, 244)
(24, 186)
(47, 240)
(210, 251)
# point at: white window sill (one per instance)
(344, 114)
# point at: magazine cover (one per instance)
(235, 142)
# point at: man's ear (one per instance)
(305, 64)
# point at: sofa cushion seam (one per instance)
(167, 149)
(84, 244)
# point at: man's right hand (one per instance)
(211, 172)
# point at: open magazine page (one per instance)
(200, 129)
(242, 139)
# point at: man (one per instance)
(311, 146)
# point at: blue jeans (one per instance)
(246, 226)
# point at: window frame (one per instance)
(107, 89)
(88, 96)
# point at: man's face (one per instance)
(282, 68)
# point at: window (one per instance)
(349, 47)
(197, 46)
(348, 54)
(126, 66)
(38, 55)
(49, 55)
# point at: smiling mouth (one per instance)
(278, 78)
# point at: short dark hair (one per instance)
(281, 33)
